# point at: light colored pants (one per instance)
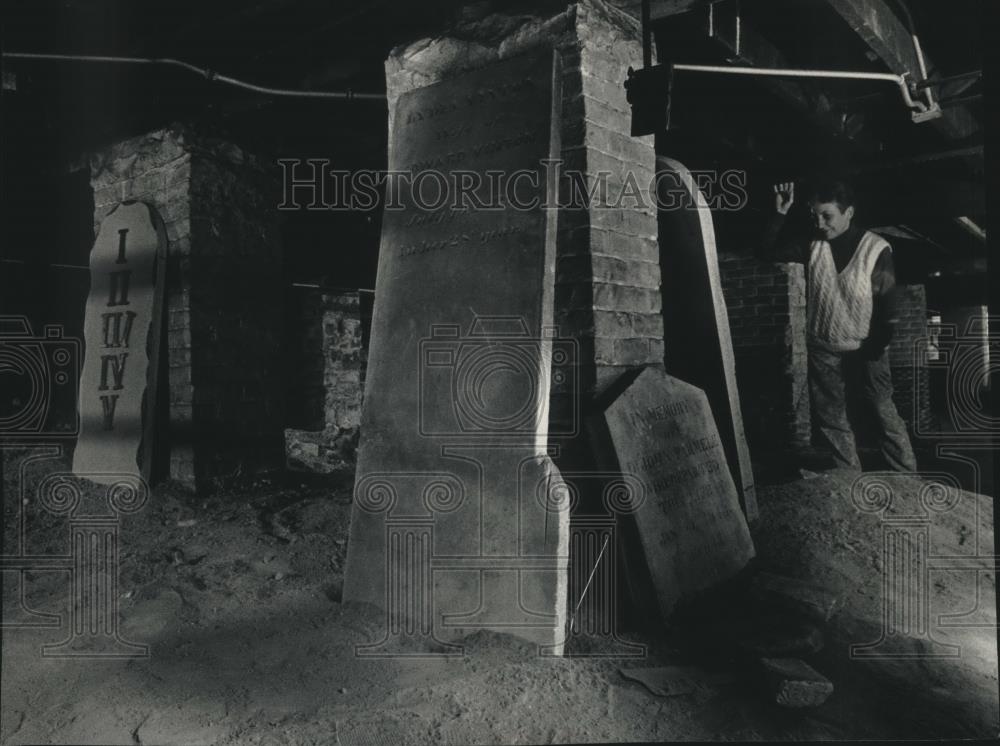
(828, 376)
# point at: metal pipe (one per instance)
(899, 80)
(210, 75)
(45, 264)
(912, 27)
(85, 268)
(928, 92)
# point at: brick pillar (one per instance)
(345, 360)
(336, 357)
(616, 301)
(911, 386)
(607, 272)
(224, 294)
(766, 304)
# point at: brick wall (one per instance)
(327, 390)
(345, 359)
(767, 317)
(607, 292)
(224, 302)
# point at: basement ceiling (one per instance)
(926, 176)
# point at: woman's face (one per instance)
(830, 221)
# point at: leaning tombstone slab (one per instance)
(121, 334)
(700, 348)
(454, 527)
(690, 525)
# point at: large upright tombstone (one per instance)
(689, 522)
(696, 336)
(122, 326)
(457, 523)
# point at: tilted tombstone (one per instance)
(458, 523)
(688, 518)
(122, 330)
(698, 345)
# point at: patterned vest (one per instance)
(840, 304)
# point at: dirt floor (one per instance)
(238, 597)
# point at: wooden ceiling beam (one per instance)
(919, 158)
(756, 51)
(904, 199)
(744, 46)
(883, 32)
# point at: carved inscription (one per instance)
(474, 170)
(471, 405)
(692, 530)
(119, 313)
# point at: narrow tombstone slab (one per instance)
(698, 345)
(457, 525)
(121, 335)
(689, 522)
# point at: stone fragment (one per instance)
(794, 683)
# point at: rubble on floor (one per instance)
(239, 598)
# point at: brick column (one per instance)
(336, 362)
(766, 304)
(344, 362)
(224, 301)
(616, 300)
(607, 272)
